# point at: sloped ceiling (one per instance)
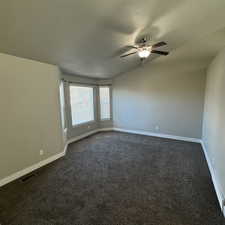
(84, 37)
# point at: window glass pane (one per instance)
(82, 107)
(104, 102)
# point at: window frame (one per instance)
(72, 84)
(62, 105)
(110, 102)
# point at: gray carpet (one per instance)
(117, 179)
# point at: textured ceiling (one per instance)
(85, 37)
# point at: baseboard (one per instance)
(195, 140)
(105, 129)
(29, 169)
(215, 181)
(64, 150)
(57, 156)
(42, 163)
(88, 134)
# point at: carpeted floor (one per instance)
(117, 179)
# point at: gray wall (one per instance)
(73, 132)
(29, 112)
(214, 117)
(170, 97)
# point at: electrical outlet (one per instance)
(157, 128)
(41, 152)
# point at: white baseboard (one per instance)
(105, 129)
(71, 140)
(57, 156)
(64, 150)
(196, 140)
(42, 163)
(215, 181)
(88, 134)
(29, 169)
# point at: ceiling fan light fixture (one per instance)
(144, 49)
(144, 53)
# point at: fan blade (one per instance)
(124, 50)
(131, 46)
(159, 44)
(128, 54)
(160, 52)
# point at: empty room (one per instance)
(112, 112)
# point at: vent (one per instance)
(27, 178)
(223, 207)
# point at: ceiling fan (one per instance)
(144, 49)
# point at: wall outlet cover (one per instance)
(41, 152)
(157, 127)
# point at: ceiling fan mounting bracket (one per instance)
(145, 39)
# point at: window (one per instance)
(82, 104)
(104, 93)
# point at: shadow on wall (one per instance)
(214, 122)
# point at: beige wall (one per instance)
(29, 112)
(214, 118)
(171, 97)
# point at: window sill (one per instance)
(84, 124)
(104, 120)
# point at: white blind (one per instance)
(104, 102)
(82, 104)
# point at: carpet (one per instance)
(115, 178)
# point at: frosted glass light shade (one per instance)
(144, 53)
